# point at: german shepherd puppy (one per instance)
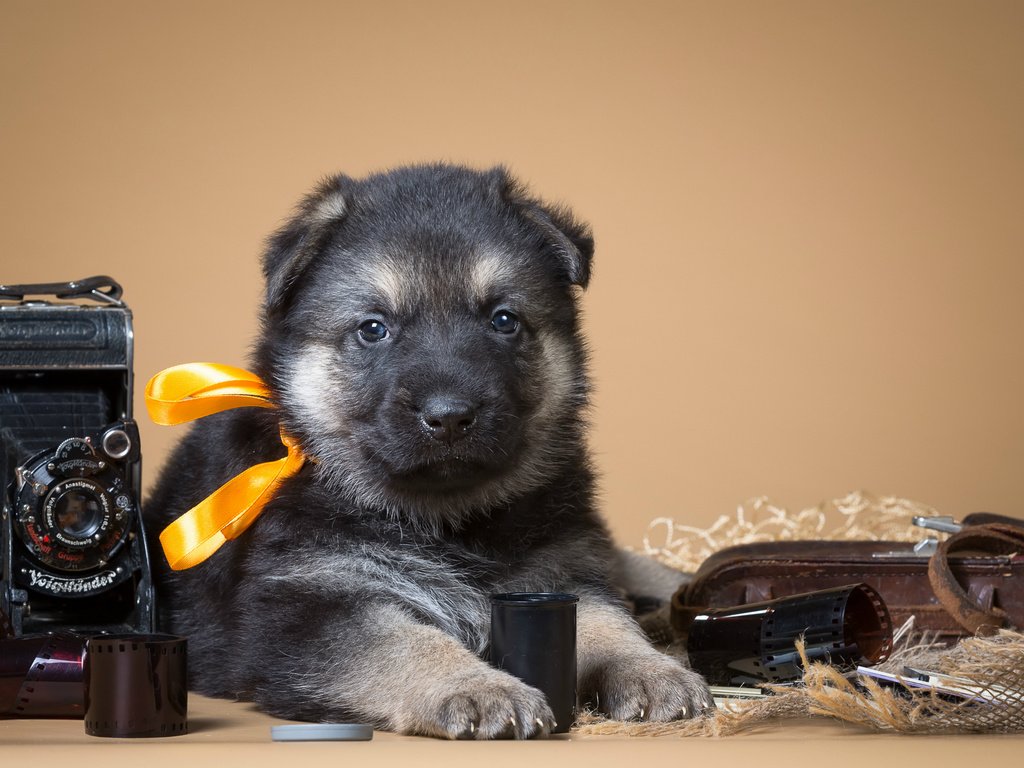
(421, 338)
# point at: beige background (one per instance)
(809, 262)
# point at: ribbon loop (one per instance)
(186, 392)
(193, 390)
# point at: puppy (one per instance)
(421, 338)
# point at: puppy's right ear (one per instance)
(569, 241)
(292, 248)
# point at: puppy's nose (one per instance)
(447, 418)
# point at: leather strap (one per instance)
(973, 614)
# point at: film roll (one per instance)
(41, 676)
(136, 686)
(844, 626)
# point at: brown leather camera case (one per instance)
(973, 583)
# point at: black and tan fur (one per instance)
(449, 463)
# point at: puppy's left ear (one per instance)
(293, 247)
(569, 240)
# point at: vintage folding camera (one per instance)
(71, 541)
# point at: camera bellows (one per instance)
(136, 685)
(36, 419)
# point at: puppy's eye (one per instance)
(373, 331)
(504, 321)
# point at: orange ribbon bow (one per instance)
(191, 391)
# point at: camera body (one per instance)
(72, 547)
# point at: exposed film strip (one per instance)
(40, 675)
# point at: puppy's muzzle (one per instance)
(447, 418)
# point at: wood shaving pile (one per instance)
(857, 516)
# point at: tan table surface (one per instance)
(229, 733)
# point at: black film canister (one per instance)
(533, 636)
(751, 644)
(41, 676)
(136, 685)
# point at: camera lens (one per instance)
(80, 522)
(78, 514)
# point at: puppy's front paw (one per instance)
(647, 686)
(492, 705)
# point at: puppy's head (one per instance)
(421, 334)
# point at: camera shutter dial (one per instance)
(75, 456)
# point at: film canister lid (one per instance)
(322, 732)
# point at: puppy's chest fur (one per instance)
(444, 577)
